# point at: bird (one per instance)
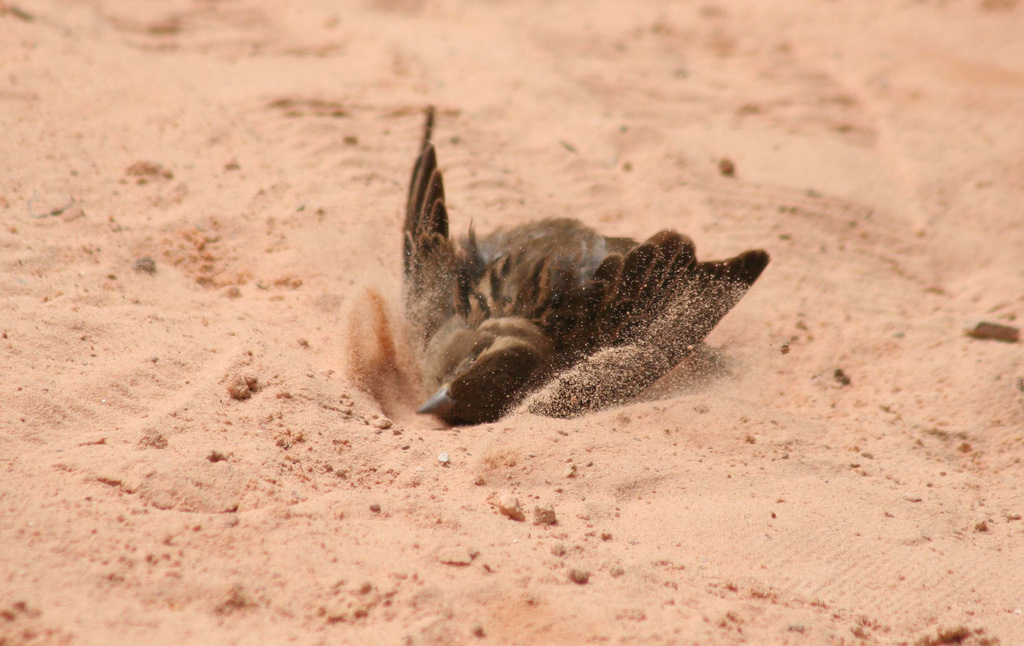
(550, 306)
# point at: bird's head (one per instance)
(479, 374)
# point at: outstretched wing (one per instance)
(660, 283)
(433, 263)
(657, 303)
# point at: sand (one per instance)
(842, 466)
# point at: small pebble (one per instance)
(145, 265)
(579, 576)
(73, 212)
(148, 169)
(444, 459)
(509, 506)
(841, 377)
(994, 332)
(544, 516)
(570, 471)
(239, 388)
(375, 508)
(726, 167)
(558, 549)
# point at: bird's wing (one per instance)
(661, 283)
(435, 266)
(658, 302)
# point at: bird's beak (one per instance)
(439, 404)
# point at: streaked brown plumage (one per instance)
(504, 314)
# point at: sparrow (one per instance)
(550, 306)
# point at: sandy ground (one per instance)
(258, 154)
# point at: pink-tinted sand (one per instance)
(878, 156)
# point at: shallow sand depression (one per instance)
(203, 436)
